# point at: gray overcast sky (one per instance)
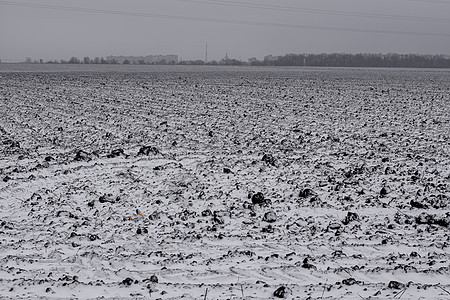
(54, 30)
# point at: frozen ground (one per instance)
(225, 184)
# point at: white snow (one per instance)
(100, 223)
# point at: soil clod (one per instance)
(281, 292)
(270, 217)
(148, 150)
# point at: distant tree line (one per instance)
(72, 60)
(357, 60)
(87, 60)
(112, 61)
(309, 60)
(223, 62)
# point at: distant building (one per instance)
(271, 58)
(149, 59)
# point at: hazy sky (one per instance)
(56, 29)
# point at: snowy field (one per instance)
(225, 183)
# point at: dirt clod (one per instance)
(269, 159)
(270, 217)
(116, 153)
(349, 281)
(281, 292)
(258, 198)
(148, 150)
(82, 155)
(307, 192)
(127, 281)
(396, 285)
(351, 216)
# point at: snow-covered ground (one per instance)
(225, 184)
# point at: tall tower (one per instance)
(206, 53)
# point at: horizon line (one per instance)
(9, 60)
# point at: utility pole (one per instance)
(206, 54)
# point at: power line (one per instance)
(316, 11)
(211, 20)
(431, 1)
